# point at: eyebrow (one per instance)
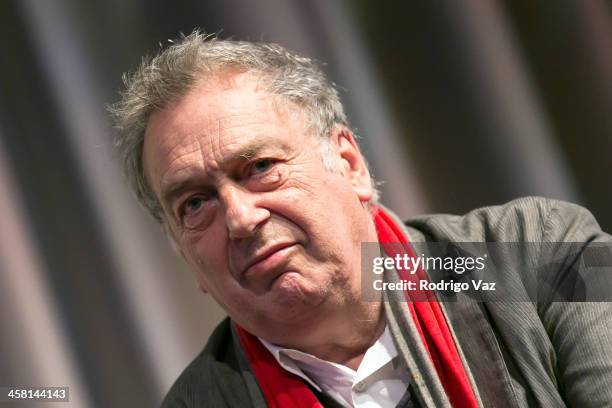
(176, 188)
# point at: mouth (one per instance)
(268, 259)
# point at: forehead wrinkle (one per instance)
(178, 170)
(244, 152)
(236, 145)
(170, 168)
(216, 136)
(197, 146)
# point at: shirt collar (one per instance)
(323, 372)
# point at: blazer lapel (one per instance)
(476, 343)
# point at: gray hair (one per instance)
(168, 76)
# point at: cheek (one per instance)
(341, 215)
(322, 198)
(313, 195)
(207, 243)
(212, 274)
(206, 253)
(205, 258)
(305, 178)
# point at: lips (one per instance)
(266, 259)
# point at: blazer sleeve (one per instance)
(580, 331)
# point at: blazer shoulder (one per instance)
(528, 219)
(205, 379)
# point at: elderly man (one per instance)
(242, 152)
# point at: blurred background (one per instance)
(459, 104)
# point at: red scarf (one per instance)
(283, 389)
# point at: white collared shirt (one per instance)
(380, 380)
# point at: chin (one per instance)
(294, 299)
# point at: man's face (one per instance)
(269, 232)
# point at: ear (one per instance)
(167, 231)
(353, 164)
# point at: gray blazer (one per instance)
(538, 353)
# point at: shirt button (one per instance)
(360, 386)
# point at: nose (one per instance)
(242, 214)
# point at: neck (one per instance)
(350, 342)
(345, 339)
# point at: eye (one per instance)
(193, 204)
(196, 211)
(261, 166)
